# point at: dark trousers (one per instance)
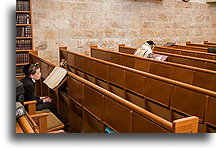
(49, 106)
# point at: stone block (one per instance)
(89, 33)
(47, 4)
(77, 33)
(64, 34)
(38, 34)
(77, 15)
(40, 45)
(61, 23)
(109, 33)
(50, 34)
(68, 5)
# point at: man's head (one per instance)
(151, 43)
(32, 71)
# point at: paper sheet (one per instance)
(55, 77)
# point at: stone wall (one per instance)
(107, 23)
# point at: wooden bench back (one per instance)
(151, 92)
(209, 43)
(91, 108)
(190, 61)
(200, 45)
(180, 59)
(180, 51)
(195, 76)
(192, 48)
(24, 126)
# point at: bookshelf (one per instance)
(24, 34)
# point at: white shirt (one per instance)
(33, 80)
(145, 51)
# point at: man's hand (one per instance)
(48, 99)
(42, 98)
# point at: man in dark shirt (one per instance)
(32, 74)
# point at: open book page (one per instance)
(160, 57)
(55, 77)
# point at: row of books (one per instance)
(23, 44)
(20, 74)
(23, 19)
(22, 6)
(23, 31)
(19, 70)
(22, 57)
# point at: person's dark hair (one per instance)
(30, 69)
(150, 42)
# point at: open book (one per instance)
(160, 57)
(55, 77)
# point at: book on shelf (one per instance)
(55, 77)
(19, 70)
(23, 18)
(22, 5)
(22, 57)
(28, 31)
(20, 74)
(23, 44)
(23, 31)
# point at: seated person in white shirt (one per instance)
(146, 50)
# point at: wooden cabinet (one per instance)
(24, 34)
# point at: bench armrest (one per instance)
(30, 102)
(31, 106)
(41, 120)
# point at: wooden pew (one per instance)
(195, 76)
(166, 98)
(48, 122)
(192, 48)
(181, 59)
(180, 51)
(209, 43)
(200, 45)
(90, 108)
(42, 89)
(18, 128)
(24, 126)
(33, 122)
(27, 124)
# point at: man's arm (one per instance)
(150, 56)
(29, 94)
